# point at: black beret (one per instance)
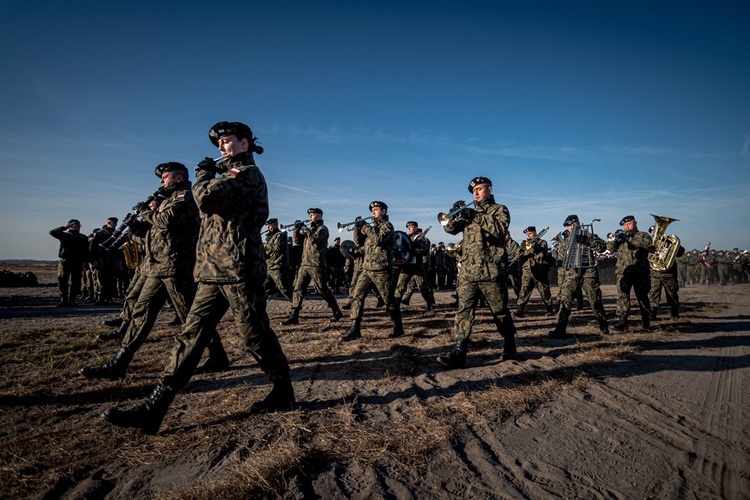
(272, 221)
(223, 129)
(171, 166)
(411, 223)
(477, 181)
(570, 219)
(74, 221)
(625, 219)
(380, 204)
(113, 219)
(530, 228)
(314, 211)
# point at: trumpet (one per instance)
(294, 225)
(217, 162)
(454, 249)
(350, 226)
(618, 235)
(444, 218)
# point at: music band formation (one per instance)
(199, 246)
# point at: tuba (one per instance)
(665, 245)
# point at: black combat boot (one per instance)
(293, 318)
(347, 306)
(116, 334)
(653, 312)
(63, 301)
(560, 331)
(456, 358)
(398, 325)
(519, 311)
(175, 321)
(550, 310)
(603, 326)
(622, 324)
(509, 348)
(281, 398)
(430, 307)
(337, 314)
(146, 416)
(113, 369)
(675, 310)
(217, 361)
(645, 321)
(113, 322)
(353, 332)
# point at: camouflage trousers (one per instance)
(68, 271)
(153, 296)
(131, 296)
(305, 275)
(531, 279)
(496, 296)
(212, 300)
(638, 281)
(383, 282)
(280, 278)
(579, 281)
(668, 281)
(411, 279)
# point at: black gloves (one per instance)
(207, 168)
(359, 223)
(583, 239)
(138, 207)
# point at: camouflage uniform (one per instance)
(314, 242)
(277, 259)
(73, 253)
(576, 281)
(683, 262)
(632, 270)
(723, 266)
(413, 274)
(377, 270)
(230, 270)
(483, 269)
(535, 273)
(669, 281)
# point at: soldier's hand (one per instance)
(582, 239)
(359, 224)
(207, 167)
(458, 204)
(138, 207)
(468, 214)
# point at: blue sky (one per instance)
(602, 109)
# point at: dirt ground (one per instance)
(660, 414)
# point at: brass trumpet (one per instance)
(350, 226)
(444, 218)
(454, 249)
(294, 225)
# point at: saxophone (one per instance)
(132, 253)
(665, 245)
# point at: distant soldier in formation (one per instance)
(73, 254)
(577, 278)
(377, 270)
(414, 273)
(632, 270)
(277, 259)
(483, 268)
(314, 242)
(534, 261)
(336, 262)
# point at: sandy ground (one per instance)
(667, 420)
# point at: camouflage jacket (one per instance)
(173, 233)
(536, 258)
(314, 241)
(632, 253)
(74, 247)
(377, 240)
(234, 208)
(277, 251)
(483, 256)
(420, 251)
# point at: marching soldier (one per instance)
(534, 260)
(230, 270)
(668, 280)
(632, 270)
(314, 241)
(414, 270)
(277, 259)
(73, 253)
(104, 262)
(170, 233)
(578, 279)
(377, 269)
(483, 266)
